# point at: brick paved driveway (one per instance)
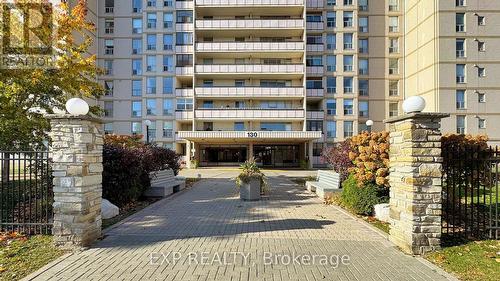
(207, 233)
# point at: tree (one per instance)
(337, 156)
(26, 95)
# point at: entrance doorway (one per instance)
(277, 156)
(222, 155)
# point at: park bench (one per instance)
(327, 183)
(164, 183)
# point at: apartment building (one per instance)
(452, 61)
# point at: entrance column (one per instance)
(188, 154)
(310, 162)
(250, 151)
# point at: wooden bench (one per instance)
(327, 183)
(164, 183)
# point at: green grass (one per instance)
(20, 257)
(384, 226)
(476, 260)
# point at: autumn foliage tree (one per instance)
(337, 156)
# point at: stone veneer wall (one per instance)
(415, 179)
(77, 143)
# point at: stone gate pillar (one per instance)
(415, 180)
(76, 149)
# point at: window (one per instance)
(481, 20)
(393, 24)
(363, 5)
(460, 47)
(363, 87)
(460, 22)
(481, 46)
(348, 16)
(393, 45)
(151, 3)
(239, 126)
(136, 26)
(208, 104)
(168, 107)
(136, 109)
(363, 24)
(331, 85)
(184, 16)
(348, 63)
(184, 38)
(239, 83)
(108, 109)
(363, 109)
(315, 39)
(348, 84)
(348, 129)
(168, 3)
(136, 46)
(363, 66)
(331, 19)
(347, 2)
(393, 109)
(331, 63)
(314, 18)
(109, 26)
(314, 61)
(108, 128)
(150, 107)
(151, 42)
(136, 6)
(393, 5)
(109, 46)
(461, 124)
(136, 67)
(331, 41)
(393, 88)
(136, 88)
(314, 125)
(348, 107)
(152, 131)
(481, 97)
(184, 104)
(108, 67)
(460, 99)
(314, 83)
(363, 46)
(168, 41)
(393, 66)
(331, 107)
(168, 20)
(136, 128)
(460, 73)
(151, 63)
(168, 129)
(348, 41)
(168, 63)
(331, 2)
(331, 129)
(481, 72)
(151, 85)
(108, 87)
(151, 20)
(460, 3)
(184, 60)
(481, 123)
(269, 126)
(168, 85)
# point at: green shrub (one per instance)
(361, 199)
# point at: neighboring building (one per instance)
(222, 80)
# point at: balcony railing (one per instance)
(250, 24)
(184, 70)
(249, 46)
(183, 5)
(249, 2)
(184, 115)
(249, 68)
(255, 92)
(315, 47)
(244, 113)
(315, 114)
(255, 134)
(184, 92)
(315, 92)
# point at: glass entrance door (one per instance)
(277, 156)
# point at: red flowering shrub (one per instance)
(337, 156)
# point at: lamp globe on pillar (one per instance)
(369, 124)
(147, 123)
(77, 106)
(413, 104)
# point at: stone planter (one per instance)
(250, 191)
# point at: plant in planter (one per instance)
(251, 181)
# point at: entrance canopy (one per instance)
(249, 136)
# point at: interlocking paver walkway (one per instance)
(207, 223)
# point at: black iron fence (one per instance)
(471, 203)
(26, 194)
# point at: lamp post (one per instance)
(147, 123)
(77, 106)
(369, 124)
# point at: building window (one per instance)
(136, 26)
(348, 85)
(239, 126)
(168, 3)
(331, 129)
(393, 5)
(151, 3)
(151, 20)
(393, 109)
(109, 46)
(136, 109)
(363, 5)
(184, 104)
(314, 61)
(108, 87)
(348, 16)
(481, 20)
(151, 42)
(168, 20)
(460, 99)
(460, 46)
(460, 3)
(168, 42)
(348, 129)
(461, 124)
(331, 63)
(152, 131)
(108, 109)
(184, 60)
(108, 128)
(481, 123)
(481, 97)
(331, 19)
(168, 63)
(348, 107)
(393, 24)
(393, 66)
(151, 107)
(363, 24)
(347, 2)
(108, 67)
(151, 63)
(168, 129)
(168, 85)
(331, 85)
(109, 26)
(136, 128)
(314, 125)
(184, 38)
(363, 87)
(184, 16)
(348, 41)
(331, 107)
(460, 22)
(136, 88)
(363, 67)
(481, 72)
(151, 85)
(460, 73)
(315, 39)
(314, 83)
(136, 6)
(348, 63)
(481, 46)
(363, 46)
(136, 46)
(394, 88)
(393, 45)
(331, 41)
(363, 109)
(269, 126)
(168, 107)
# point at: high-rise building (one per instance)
(224, 80)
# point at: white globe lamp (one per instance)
(414, 104)
(147, 123)
(369, 123)
(77, 106)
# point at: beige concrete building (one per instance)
(222, 80)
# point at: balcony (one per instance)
(249, 114)
(315, 70)
(184, 92)
(184, 5)
(249, 46)
(315, 48)
(184, 71)
(245, 3)
(250, 68)
(184, 115)
(219, 24)
(184, 27)
(254, 92)
(184, 49)
(315, 93)
(315, 25)
(249, 135)
(315, 114)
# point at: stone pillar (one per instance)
(76, 149)
(415, 179)
(310, 154)
(188, 154)
(250, 151)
